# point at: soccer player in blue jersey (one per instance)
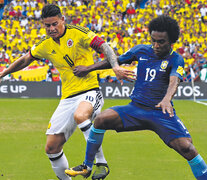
(159, 72)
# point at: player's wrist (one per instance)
(91, 68)
(116, 67)
(167, 98)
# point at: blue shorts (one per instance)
(138, 117)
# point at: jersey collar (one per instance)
(169, 54)
(63, 32)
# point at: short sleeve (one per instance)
(86, 38)
(178, 67)
(128, 56)
(38, 50)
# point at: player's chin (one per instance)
(158, 53)
(53, 35)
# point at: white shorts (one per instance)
(62, 120)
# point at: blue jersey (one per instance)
(153, 73)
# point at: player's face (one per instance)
(54, 26)
(161, 43)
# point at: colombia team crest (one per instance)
(70, 43)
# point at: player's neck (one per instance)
(166, 54)
(57, 40)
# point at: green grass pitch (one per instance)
(131, 156)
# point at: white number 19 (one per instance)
(151, 73)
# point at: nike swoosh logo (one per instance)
(142, 59)
(204, 171)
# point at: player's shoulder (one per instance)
(177, 56)
(42, 44)
(142, 48)
(77, 28)
(43, 41)
(175, 59)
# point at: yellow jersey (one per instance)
(74, 50)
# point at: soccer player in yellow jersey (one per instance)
(68, 46)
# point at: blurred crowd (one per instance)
(121, 23)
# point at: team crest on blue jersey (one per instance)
(70, 43)
(164, 65)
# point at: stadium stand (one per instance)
(121, 23)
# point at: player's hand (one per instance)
(80, 71)
(124, 74)
(166, 106)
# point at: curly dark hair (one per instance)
(50, 10)
(165, 23)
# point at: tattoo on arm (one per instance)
(109, 54)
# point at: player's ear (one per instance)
(63, 18)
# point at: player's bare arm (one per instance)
(82, 71)
(165, 104)
(109, 55)
(17, 65)
(120, 72)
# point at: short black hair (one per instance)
(51, 10)
(165, 23)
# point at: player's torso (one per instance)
(152, 70)
(152, 77)
(73, 50)
(69, 53)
